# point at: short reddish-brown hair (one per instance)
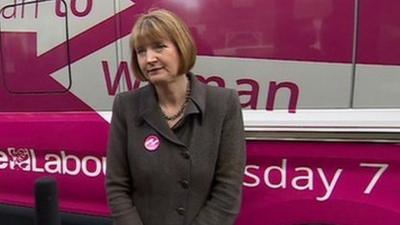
(158, 25)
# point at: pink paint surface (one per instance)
(379, 41)
(347, 205)
(79, 134)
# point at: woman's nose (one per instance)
(151, 56)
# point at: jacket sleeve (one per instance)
(118, 178)
(224, 202)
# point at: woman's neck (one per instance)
(172, 94)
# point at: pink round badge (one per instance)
(151, 143)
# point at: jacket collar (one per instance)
(150, 111)
(197, 95)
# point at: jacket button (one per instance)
(181, 210)
(185, 183)
(185, 154)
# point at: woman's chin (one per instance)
(153, 76)
(160, 78)
(157, 79)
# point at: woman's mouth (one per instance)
(153, 71)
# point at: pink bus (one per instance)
(319, 82)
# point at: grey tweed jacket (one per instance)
(199, 183)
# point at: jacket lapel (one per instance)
(151, 113)
(198, 94)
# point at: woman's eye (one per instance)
(160, 46)
(140, 51)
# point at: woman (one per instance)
(176, 147)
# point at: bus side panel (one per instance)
(321, 183)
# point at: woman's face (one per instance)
(159, 61)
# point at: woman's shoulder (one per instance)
(212, 92)
(133, 95)
(130, 102)
(220, 93)
(220, 99)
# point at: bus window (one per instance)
(378, 62)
